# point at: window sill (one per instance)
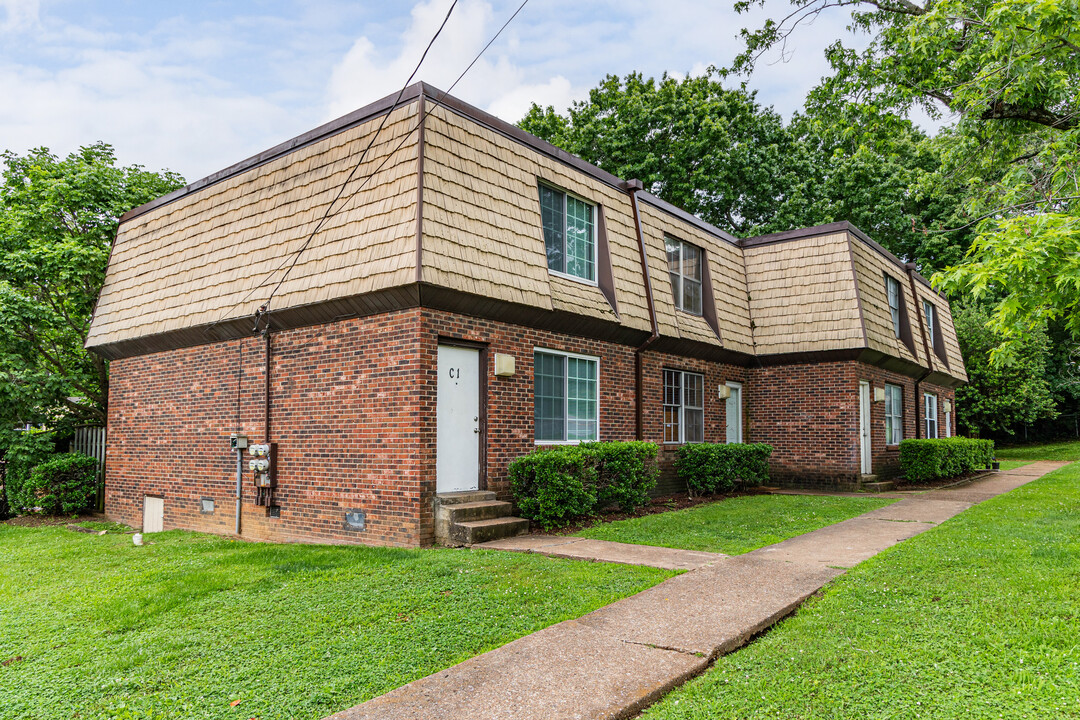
(573, 278)
(689, 312)
(561, 442)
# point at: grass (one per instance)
(736, 525)
(1013, 464)
(1067, 450)
(93, 627)
(977, 618)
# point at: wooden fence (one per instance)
(91, 441)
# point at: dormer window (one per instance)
(892, 289)
(569, 234)
(928, 313)
(684, 265)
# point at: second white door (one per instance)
(733, 412)
(457, 451)
(866, 462)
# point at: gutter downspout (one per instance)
(910, 267)
(632, 187)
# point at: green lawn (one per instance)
(977, 618)
(736, 525)
(1013, 464)
(185, 626)
(1068, 450)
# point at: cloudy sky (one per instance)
(199, 85)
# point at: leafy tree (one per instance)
(711, 151)
(57, 222)
(1000, 398)
(718, 154)
(1009, 72)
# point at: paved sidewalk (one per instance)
(606, 551)
(621, 658)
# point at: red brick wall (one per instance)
(353, 413)
(344, 416)
(809, 413)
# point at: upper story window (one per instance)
(894, 414)
(684, 265)
(892, 290)
(569, 233)
(684, 407)
(928, 312)
(565, 397)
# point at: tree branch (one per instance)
(1001, 110)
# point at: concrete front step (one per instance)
(465, 496)
(483, 510)
(478, 531)
(878, 487)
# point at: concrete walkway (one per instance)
(616, 661)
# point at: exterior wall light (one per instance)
(504, 365)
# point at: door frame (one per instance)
(742, 436)
(866, 457)
(481, 480)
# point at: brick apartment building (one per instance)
(473, 293)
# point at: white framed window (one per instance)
(566, 391)
(948, 423)
(892, 291)
(733, 413)
(684, 407)
(930, 406)
(569, 234)
(931, 319)
(894, 414)
(684, 266)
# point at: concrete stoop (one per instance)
(474, 516)
(870, 483)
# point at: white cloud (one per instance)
(504, 88)
(18, 14)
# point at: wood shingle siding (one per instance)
(458, 227)
(193, 261)
(871, 268)
(948, 334)
(802, 296)
(728, 284)
(482, 230)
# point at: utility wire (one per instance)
(436, 102)
(329, 208)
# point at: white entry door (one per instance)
(866, 465)
(457, 451)
(733, 413)
(153, 514)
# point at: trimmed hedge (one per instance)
(715, 467)
(63, 485)
(935, 459)
(554, 485)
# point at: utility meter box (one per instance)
(238, 442)
(263, 464)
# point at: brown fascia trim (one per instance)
(830, 229)
(632, 188)
(334, 127)
(605, 277)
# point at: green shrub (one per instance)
(626, 472)
(65, 484)
(554, 485)
(715, 467)
(935, 459)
